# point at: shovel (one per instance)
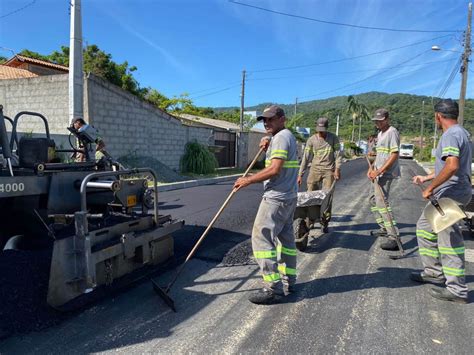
(378, 190)
(163, 293)
(443, 212)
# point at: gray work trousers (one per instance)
(273, 242)
(380, 207)
(321, 180)
(442, 254)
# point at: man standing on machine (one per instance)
(273, 240)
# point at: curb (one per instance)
(199, 182)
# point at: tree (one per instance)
(356, 110)
(3, 59)
(293, 122)
(99, 63)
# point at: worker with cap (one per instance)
(273, 241)
(323, 151)
(442, 254)
(384, 170)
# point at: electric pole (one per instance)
(337, 126)
(242, 100)
(76, 76)
(465, 65)
(240, 146)
(296, 104)
(422, 127)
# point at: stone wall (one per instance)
(47, 95)
(127, 124)
(132, 126)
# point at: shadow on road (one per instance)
(385, 277)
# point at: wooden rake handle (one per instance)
(203, 236)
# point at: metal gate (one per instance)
(225, 156)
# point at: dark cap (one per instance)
(271, 111)
(380, 115)
(322, 124)
(78, 119)
(448, 108)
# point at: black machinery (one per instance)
(94, 215)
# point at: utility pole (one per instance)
(422, 127)
(337, 126)
(465, 65)
(422, 123)
(296, 104)
(240, 146)
(76, 76)
(242, 101)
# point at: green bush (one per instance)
(197, 159)
(422, 155)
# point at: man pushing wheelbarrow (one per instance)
(322, 150)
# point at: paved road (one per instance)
(351, 297)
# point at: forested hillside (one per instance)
(405, 110)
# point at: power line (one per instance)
(214, 92)
(213, 88)
(349, 58)
(17, 10)
(367, 78)
(347, 72)
(341, 23)
(450, 79)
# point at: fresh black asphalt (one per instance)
(351, 297)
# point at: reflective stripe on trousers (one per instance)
(442, 254)
(273, 242)
(383, 214)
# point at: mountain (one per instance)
(405, 111)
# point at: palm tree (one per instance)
(363, 115)
(353, 109)
(358, 111)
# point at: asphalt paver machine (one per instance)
(101, 221)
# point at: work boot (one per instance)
(288, 289)
(379, 233)
(390, 244)
(445, 295)
(423, 278)
(324, 228)
(266, 296)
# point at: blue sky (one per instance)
(202, 46)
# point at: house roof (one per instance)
(7, 72)
(210, 122)
(17, 60)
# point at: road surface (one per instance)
(351, 297)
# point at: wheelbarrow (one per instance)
(308, 211)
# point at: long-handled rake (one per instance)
(163, 293)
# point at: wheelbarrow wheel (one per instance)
(301, 233)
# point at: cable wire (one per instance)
(17, 10)
(341, 23)
(348, 72)
(450, 79)
(214, 92)
(349, 58)
(367, 78)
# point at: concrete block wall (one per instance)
(127, 124)
(132, 126)
(253, 145)
(47, 95)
